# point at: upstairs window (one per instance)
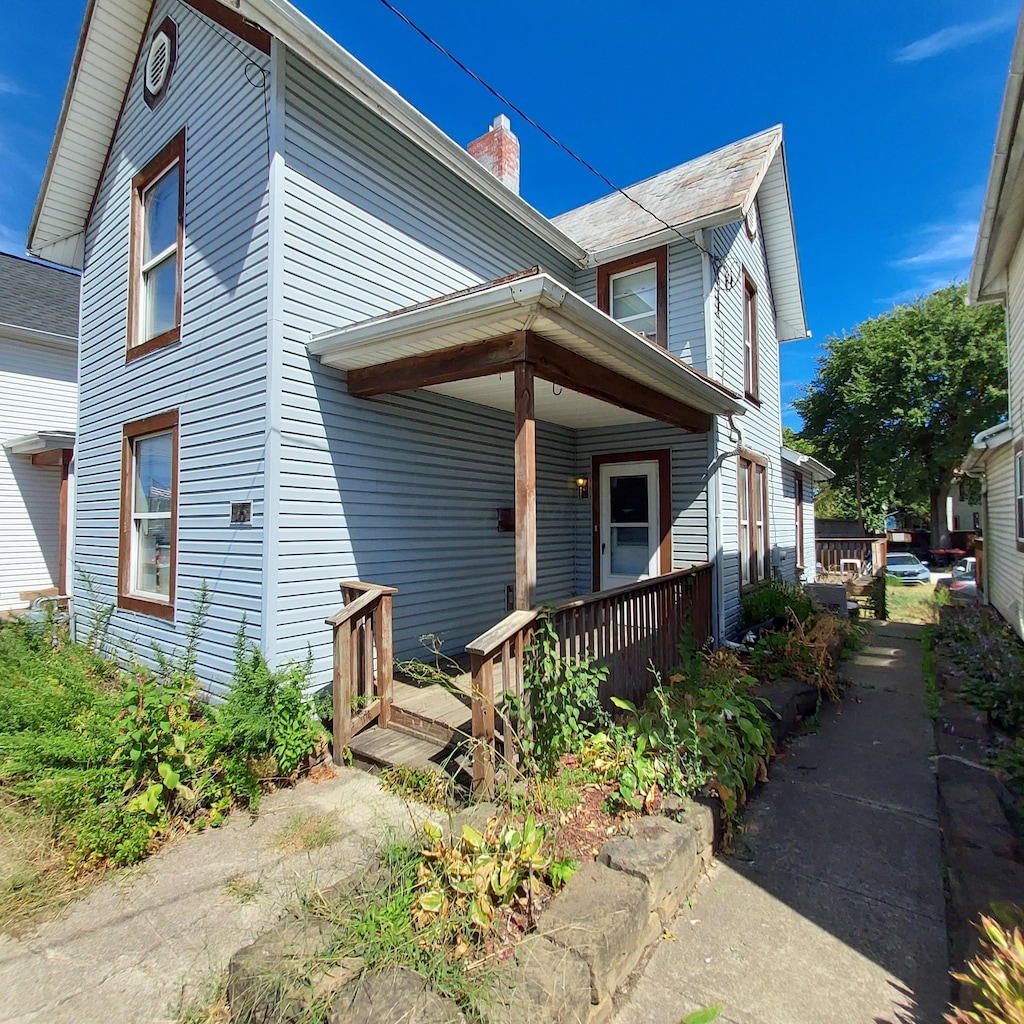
(750, 388)
(147, 553)
(158, 200)
(634, 291)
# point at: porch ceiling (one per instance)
(461, 344)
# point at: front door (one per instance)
(629, 531)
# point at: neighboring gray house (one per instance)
(317, 345)
(38, 362)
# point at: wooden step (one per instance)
(387, 747)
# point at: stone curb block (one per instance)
(663, 855)
(604, 917)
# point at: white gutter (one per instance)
(808, 464)
(41, 441)
(988, 440)
(995, 190)
(15, 332)
(367, 343)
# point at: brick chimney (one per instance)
(498, 151)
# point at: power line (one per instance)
(551, 138)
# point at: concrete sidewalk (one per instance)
(831, 908)
(149, 941)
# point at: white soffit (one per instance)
(41, 441)
(536, 303)
(102, 68)
(807, 464)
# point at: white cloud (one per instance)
(12, 241)
(9, 87)
(954, 37)
(945, 244)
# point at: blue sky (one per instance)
(889, 108)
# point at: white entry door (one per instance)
(629, 533)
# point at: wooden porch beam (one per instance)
(568, 369)
(526, 487)
(476, 359)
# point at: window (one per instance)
(753, 520)
(154, 288)
(799, 514)
(749, 339)
(149, 499)
(634, 291)
(1018, 492)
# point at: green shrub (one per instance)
(773, 599)
(562, 705)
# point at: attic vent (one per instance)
(160, 62)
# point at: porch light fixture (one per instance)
(583, 486)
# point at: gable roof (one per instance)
(108, 47)
(111, 41)
(1002, 215)
(35, 297)
(711, 190)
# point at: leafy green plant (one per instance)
(995, 978)
(561, 871)
(561, 705)
(774, 599)
(469, 878)
(705, 1016)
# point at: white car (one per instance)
(907, 568)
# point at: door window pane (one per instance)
(629, 499)
(631, 550)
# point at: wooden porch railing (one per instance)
(363, 660)
(627, 629)
(831, 552)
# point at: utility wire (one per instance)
(529, 120)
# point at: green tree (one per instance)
(894, 405)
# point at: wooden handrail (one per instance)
(363, 660)
(354, 608)
(626, 629)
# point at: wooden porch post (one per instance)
(526, 488)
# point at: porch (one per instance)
(464, 728)
(490, 346)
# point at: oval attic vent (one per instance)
(160, 61)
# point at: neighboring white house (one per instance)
(318, 344)
(997, 275)
(38, 396)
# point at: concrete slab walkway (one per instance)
(146, 943)
(831, 908)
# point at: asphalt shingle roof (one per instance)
(692, 193)
(38, 297)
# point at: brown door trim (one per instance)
(663, 457)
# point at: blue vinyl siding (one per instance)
(215, 376)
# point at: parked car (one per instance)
(907, 568)
(963, 584)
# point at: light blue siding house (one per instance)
(321, 342)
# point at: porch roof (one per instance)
(41, 441)
(816, 470)
(458, 344)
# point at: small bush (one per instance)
(771, 600)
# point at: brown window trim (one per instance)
(664, 459)
(743, 480)
(173, 152)
(751, 392)
(1018, 448)
(659, 257)
(125, 599)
